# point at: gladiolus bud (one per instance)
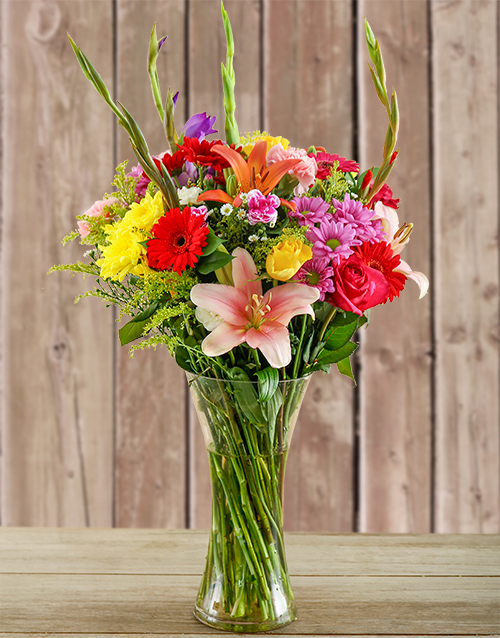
(366, 179)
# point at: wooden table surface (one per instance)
(126, 582)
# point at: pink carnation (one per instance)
(261, 208)
(95, 211)
(305, 172)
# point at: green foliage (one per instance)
(85, 269)
(336, 185)
(125, 189)
(167, 312)
(70, 237)
(136, 326)
(344, 367)
(169, 285)
(154, 341)
(268, 382)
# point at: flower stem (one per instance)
(327, 320)
(299, 348)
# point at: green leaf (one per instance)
(182, 359)
(272, 408)
(269, 379)
(246, 398)
(213, 262)
(213, 242)
(133, 329)
(338, 336)
(333, 356)
(344, 367)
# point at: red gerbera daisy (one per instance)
(200, 153)
(380, 256)
(178, 240)
(173, 163)
(385, 196)
(325, 164)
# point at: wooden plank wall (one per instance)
(90, 437)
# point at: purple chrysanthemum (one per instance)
(310, 210)
(317, 273)
(333, 239)
(359, 217)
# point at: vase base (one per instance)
(241, 626)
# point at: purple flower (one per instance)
(261, 208)
(354, 213)
(190, 173)
(199, 125)
(310, 210)
(142, 184)
(160, 43)
(319, 274)
(333, 240)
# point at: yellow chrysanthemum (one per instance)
(145, 214)
(249, 140)
(124, 254)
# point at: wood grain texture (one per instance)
(57, 408)
(136, 551)
(396, 382)
(465, 87)
(308, 99)
(150, 388)
(326, 605)
(207, 49)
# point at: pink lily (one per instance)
(398, 238)
(248, 316)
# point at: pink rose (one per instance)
(261, 208)
(95, 211)
(305, 172)
(357, 286)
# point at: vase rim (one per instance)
(281, 381)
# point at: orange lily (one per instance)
(250, 174)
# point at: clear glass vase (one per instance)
(246, 586)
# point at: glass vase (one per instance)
(247, 431)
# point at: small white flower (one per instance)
(263, 238)
(241, 214)
(187, 195)
(209, 319)
(87, 253)
(226, 210)
(353, 195)
(253, 238)
(244, 197)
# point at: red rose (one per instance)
(367, 278)
(358, 286)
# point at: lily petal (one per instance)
(418, 277)
(389, 218)
(245, 273)
(274, 173)
(223, 339)
(238, 164)
(217, 195)
(273, 340)
(289, 300)
(226, 301)
(257, 158)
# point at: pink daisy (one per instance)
(333, 239)
(310, 210)
(359, 217)
(319, 274)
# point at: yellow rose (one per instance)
(286, 258)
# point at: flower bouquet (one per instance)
(255, 263)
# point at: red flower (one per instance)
(173, 163)
(385, 196)
(367, 278)
(325, 164)
(178, 239)
(201, 154)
